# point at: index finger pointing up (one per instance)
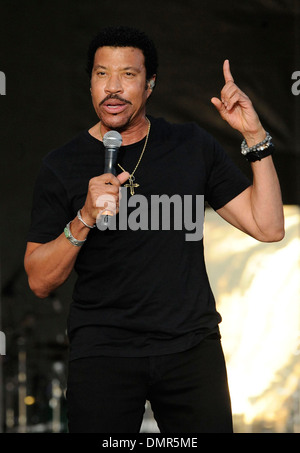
(226, 71)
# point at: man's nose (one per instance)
(114, 84)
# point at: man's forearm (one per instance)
(258, 210)
(49, 265)
(266, 200)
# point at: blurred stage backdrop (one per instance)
(47, 101)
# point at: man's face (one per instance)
(118, 86)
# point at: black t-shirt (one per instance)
(140, 291)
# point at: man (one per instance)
(143, 323)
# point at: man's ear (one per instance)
(151, 83)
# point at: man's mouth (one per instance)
(114, 104)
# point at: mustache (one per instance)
(115, 96)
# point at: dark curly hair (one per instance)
(124, 37)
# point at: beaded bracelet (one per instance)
(258, 151)
(258, 147)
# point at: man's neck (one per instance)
(132, 134)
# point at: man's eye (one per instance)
(101, 73)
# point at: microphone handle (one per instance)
(110, 161)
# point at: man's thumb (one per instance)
(122, 177)
(217, 103)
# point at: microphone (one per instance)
(112, 142)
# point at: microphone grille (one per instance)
(112, 139)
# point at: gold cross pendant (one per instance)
(131, 185)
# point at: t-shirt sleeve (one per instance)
(50, 209)
(225, 179)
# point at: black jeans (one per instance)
(188, 392)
